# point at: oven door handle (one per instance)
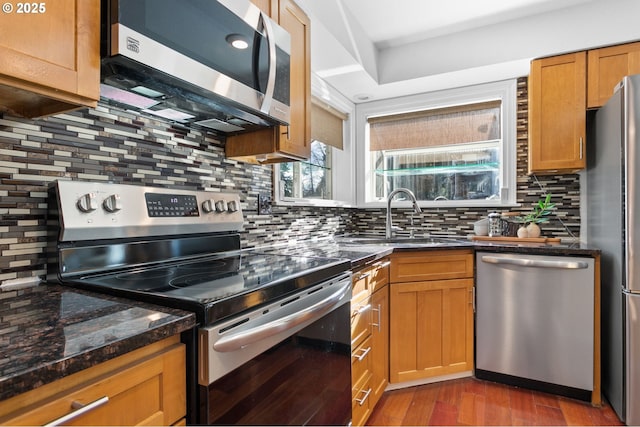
(236, 341)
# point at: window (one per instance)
(450, 153)
(312, 181)
(308, 180)
(455, 146)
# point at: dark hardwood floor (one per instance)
(469, 401)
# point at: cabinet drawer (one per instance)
(360, 320)
(369, 279)
(436, 265)
(360, 409)
(361, 361)
(146, 391)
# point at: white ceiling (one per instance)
(376, 49)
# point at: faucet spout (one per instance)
(389, 221)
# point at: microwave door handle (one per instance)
(271, 80)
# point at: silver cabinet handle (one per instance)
(379, 311)
(362, 355)
(80, 409)
(382, 264)
(525, 262)
(364, 276)
(241, 339)
(364, 398)
(581, 148)
(362, 310)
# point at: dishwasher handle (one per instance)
(528, 262)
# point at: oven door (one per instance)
(285, 364)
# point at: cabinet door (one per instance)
(270, 7)
(379, 343)
(50, 56)
(295, 139)
(606, 67)
(557, 116)
(431, 329)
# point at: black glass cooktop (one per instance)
(216, 287)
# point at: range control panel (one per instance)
(96, 210)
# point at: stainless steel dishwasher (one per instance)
(535, 322)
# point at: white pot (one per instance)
(533, 229)
(522, 232)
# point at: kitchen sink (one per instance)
(429, 241)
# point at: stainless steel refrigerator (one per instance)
(613, 225)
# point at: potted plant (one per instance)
(538, 215)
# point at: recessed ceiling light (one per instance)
(237, 40)
(362, 97)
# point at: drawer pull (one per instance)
(379, 311)
(362, 310)
(365, 397)
(362, 355)
(80, 409)
(364, 275)
(382, 264)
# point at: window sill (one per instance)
(313, 202)
(444, 204)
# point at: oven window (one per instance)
(304, 380)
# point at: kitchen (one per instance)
(108, 143)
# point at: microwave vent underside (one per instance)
(219, 125)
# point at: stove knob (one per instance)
(221, 206)
(208, 206)
(112, 203)
(232, 206)
(87, 202)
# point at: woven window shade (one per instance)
(326, 123)
(437, 127)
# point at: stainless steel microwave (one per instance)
(221, 64)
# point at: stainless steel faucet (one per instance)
(389, 226)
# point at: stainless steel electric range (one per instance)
(273, 342)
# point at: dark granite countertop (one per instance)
(48, 332)
(361, 253)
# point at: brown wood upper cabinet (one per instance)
(293, 142)
(50, 57)
(561, 89)
(605, 69)
(557, 116)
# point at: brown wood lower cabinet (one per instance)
(144, 387)
(431, 314)
(369, 338)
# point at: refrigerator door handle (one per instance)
(525, 262)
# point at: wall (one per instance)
(109, 144)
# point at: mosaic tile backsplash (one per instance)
(110, 144)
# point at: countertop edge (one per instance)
(45, 373)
